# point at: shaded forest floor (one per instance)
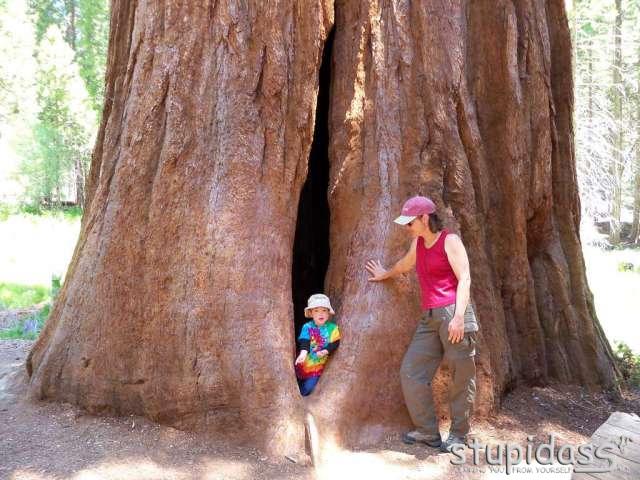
(44, 441)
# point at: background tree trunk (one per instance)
(79, 175)
(635, 225)
(178, 301)
(617, 162)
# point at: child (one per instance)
(317, 340)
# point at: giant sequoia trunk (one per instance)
(178, 303)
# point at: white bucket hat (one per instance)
(318, 300)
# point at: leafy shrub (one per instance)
(628, 363)
(5, 212)
(625, 267)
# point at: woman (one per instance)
(446, 329)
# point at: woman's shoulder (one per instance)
(450, 237)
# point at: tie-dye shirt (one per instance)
(319, 337)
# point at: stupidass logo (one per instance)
(544, 458)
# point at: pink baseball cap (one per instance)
(413, 207)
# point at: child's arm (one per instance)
(333, 346)
(305, 346)
(330, 348)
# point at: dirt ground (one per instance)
(46, 441)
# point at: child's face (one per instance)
(320, 315)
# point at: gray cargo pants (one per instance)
(429, 344)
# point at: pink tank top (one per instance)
(437, 281)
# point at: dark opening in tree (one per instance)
(311, 244)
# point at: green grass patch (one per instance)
(15, 295)
(29, 211)
(62, 213)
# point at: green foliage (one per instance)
(85, 25)
(17, 65)
(5, 212)
(62, 134)
(47, 13)
(625, 267)
(628, 363)
(14, 295)
(52, 68)
(91, 46)
(31, 209)
(71, 213)
(17, 77)
(55, 285)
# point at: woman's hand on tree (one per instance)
(375, 268)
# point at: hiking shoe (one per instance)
(417, 436)
(452, 440)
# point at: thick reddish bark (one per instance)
(178, 305)
(470, 104)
